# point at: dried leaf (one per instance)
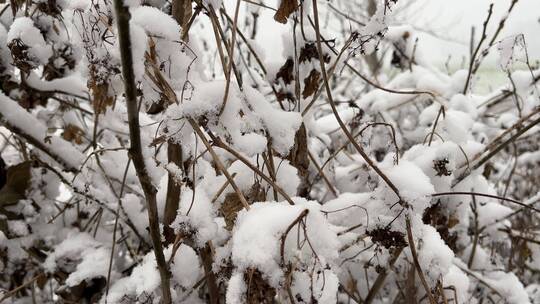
(311, 83)
(88, 291)
(49, 7)
(259, 289)
(309, 51)
(18, 177)
(100, 94)
(286, 75)
(232, 204)
(387, 238)
(17, 182)
(230, 208)
(452, 221)
(73, 134)
(286, 72)
(285, 9)
(16, 5)
(158, 141)
(298, 158)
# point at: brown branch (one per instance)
(487, 195)
(135, 150)
(502, 23)
(359, 133)
(367, 80)
(321, 173)
(498, 148)
(474, 207)
(284, 235)
(269, 180)
(222, 188)
(414, 254)
(218, 162)
(475, 53)
(379, 281)
(172, 199)
(12, 292)
(211, 281)
(182, 13)
(231, 59)
(282, 253)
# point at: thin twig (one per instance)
(475, 53)
(336, 114)
(414, 254)
(231, 58)
(12, 292)
(379, 281)
(486, 195)
(218, 162)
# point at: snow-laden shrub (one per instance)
(153, 151)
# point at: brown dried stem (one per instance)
(135, 150)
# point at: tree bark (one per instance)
(181, 12)
(135, 150)
(172, 200)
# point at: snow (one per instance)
(72, 84)
(196, 212)
(506, 51)
(489, 212)
(185, 270)
(135, 211)
(138, 48)
(246, 113)
(23, 29)
(411, 182)
(5, 55)
(3, 239)
(374, 28)
(185, 267)
(509, 286)
(94, 259)
(214, 3)
(459, 280)
(16, 116)
(328, 123)
(155, 22)
(94, 263)
(78, 4)
(281, 125)
(286, 176)
(433, 254)
(257, 237)
(18, 228)
(236, 289)
(332, 244)
(143, 278)
(325, 286)
(425, 158)
(352, 202)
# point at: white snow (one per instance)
(24, 30)
(257, 236)
(16, 116)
